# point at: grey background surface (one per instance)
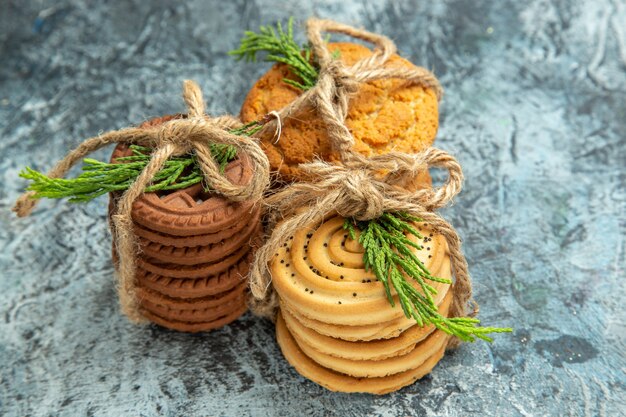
(535, 110)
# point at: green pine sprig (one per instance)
(100, 178)
(280, 46)
(389, 253)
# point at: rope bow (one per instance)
(363, 191)
(359, 187)
(176, 137)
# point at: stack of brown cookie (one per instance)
(196, 248)
(336, 326)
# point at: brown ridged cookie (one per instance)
(195, 316)
(193, 210)
(383, 116)
(336, 381)
(171, 310)
(191, 288)
(200, 270)
(189, 304)
(197, 240)
(185, 326)
(194, 255)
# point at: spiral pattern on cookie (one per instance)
(320, 274)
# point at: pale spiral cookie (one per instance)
(336, 381)
(374, 349)
(321, 272)
(336, 325)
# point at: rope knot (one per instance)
(364, 195)
(172, 134)
(344, 79)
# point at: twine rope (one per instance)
(175, 137)
(360, 187)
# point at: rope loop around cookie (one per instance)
(176, 137)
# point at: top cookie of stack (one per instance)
(195, 250)
(336, 326)
(384, 115)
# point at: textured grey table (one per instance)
(535, 111)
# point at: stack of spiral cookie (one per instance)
(335, 324)
(195, 251)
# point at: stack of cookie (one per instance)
(336, 326)
(196, 249)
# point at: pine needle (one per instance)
(388, 253)
(279, 46)
(100, 178)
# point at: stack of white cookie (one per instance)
(336, 325)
